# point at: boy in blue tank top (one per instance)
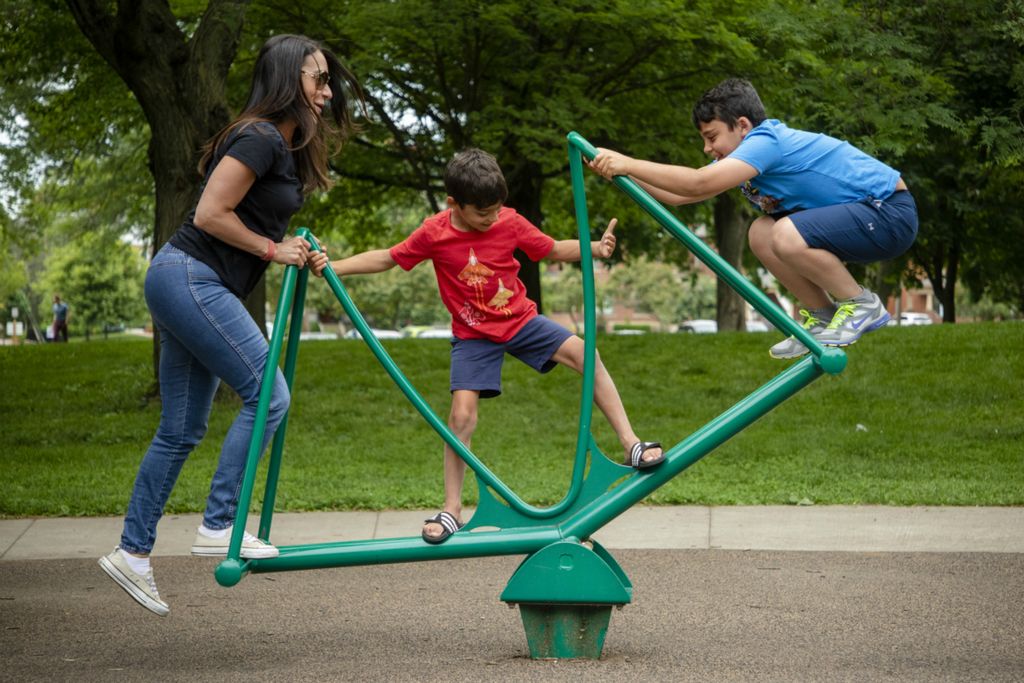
(824, 201)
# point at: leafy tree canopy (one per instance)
(935, 89)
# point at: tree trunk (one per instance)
(730, 235)
(524, 194)
(941, 266)
(881, 280)
(944, 281)
(179, 83)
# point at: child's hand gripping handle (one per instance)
(318, 259)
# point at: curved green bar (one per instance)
(589, 315)
(424, 409)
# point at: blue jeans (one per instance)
(205, 335)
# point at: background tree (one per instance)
(995, 264)
(514, 78)
(731, 220)
(101, 279)
(973, 178)
(649, 287)
(563, 289)
(935, 90)
(850, 70)
(176, 67)
(101, 208)
(932, 89)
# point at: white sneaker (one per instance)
(252, 547)
(139, 586)
(791, 347)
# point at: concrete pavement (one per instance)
(697, 615)
(839, 593)
(799, 528)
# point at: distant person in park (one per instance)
(471, 244)
(257, 171)
(824, 201)
(60, 319)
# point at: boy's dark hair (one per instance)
(474, 177)
(727, 101)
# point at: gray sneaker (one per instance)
(790, 347)
(252, 547)
(139, 586)
(853, 318)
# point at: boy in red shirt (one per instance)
(471, 245)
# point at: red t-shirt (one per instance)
(476, 274)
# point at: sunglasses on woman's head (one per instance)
(320, 77)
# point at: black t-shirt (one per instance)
(266, 208)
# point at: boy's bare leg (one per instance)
(810, 274)
(762, 242)
(606, 396)
(817, 265)
(462, 422)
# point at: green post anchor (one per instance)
(565, 592)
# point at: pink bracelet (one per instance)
(271, 250)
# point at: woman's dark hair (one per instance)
(727, 101)
(277, 95)
(474, 177)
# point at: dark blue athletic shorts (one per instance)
(862, 232)
(476, 363)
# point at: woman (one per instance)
(258, 170)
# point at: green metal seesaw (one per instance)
(568, 583)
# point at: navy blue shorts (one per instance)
(476, 363)
(862, 232)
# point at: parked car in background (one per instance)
(435, 333)
(307, 335)
(317, 336)
(711, 326)
(427, 332)
(699, 326)
(379, 334)
(912, 318)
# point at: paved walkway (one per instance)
(822, 529)
(879, 594)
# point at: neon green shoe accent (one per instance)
(854, 318)
(810, 320)
(790, 347)
(843, 311)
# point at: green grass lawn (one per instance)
(921, 416)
